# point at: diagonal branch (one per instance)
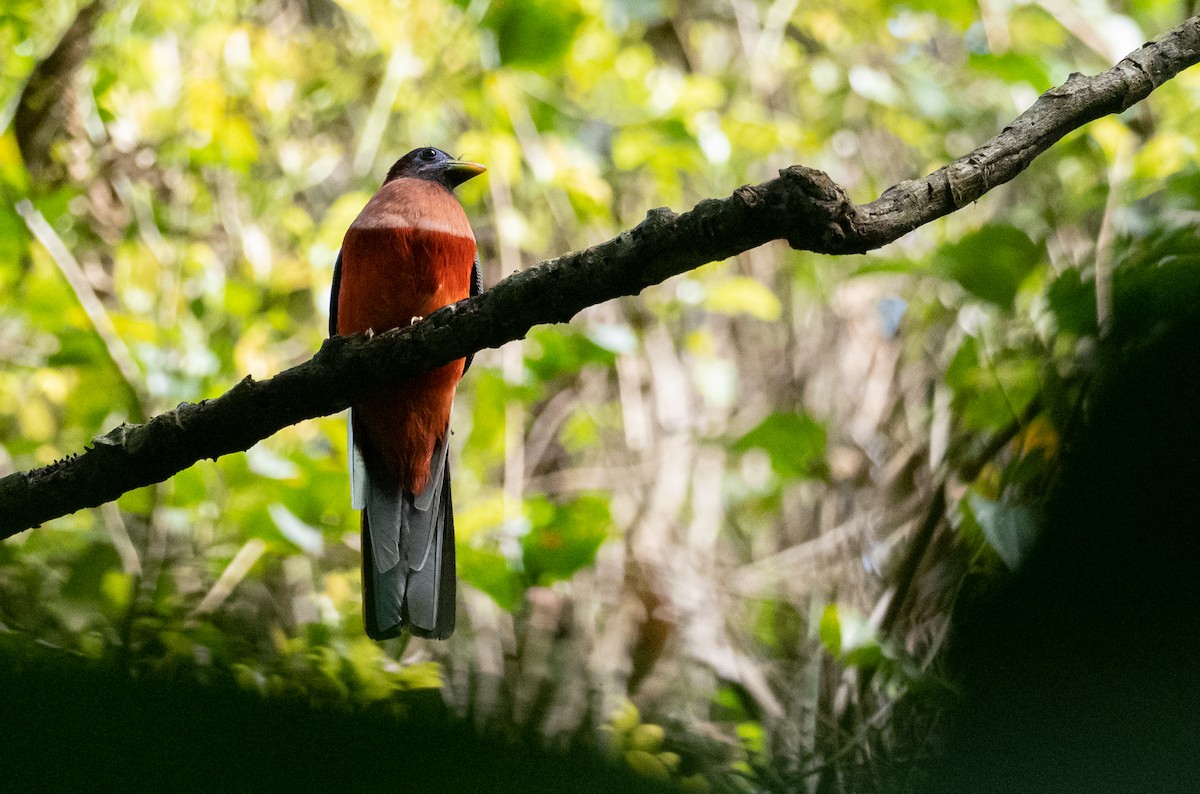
(802, 206)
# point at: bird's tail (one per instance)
(408, 553)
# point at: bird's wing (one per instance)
(358, 469)
(476, 289)
(333, 293)
(476, 277)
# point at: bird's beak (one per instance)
(459, 171)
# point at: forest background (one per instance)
(686, 520)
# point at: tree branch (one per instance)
(803, 206)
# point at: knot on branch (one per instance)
(1075, 83)
(817, 213)
(655, 219)
(812, 182)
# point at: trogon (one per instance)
(410, 251)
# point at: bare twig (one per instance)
(231, 577)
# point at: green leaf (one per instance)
(1012, 68)
(743, 295)
(1073, 303)
(364, 657)
(559, 351)
(532, 34)
(794, 442)
(960, 371)
(559, 545)
(850, 638)
(751, 735)
(990, 263)
(488, 571)
(485, 444)
(989, 394)
(830, 630)
(87, 572)
(646, 765)
(867, 655)
(868, 265)
(424, 675)
(778, 625)
(1010, 529)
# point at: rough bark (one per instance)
(803, 206)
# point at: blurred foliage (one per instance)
(623, 485)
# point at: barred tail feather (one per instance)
(408, 555)
(429, 603)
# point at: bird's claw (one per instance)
(415, 320)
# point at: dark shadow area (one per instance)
(1083, 673)
(71, 725)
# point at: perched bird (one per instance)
(409, 252)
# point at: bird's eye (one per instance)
(429, 155)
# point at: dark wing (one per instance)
(333, 293)
(476, 289)
(476, 276)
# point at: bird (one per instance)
(410, 251)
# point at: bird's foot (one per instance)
(415, 320)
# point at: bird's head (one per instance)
(434, 165)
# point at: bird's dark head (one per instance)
(434, 165)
